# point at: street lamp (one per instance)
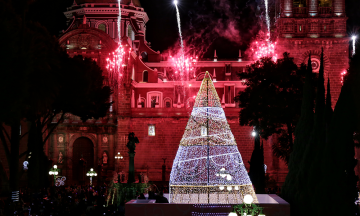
(247, 208)
(54, 171)
(353, 44)
(91, 173)
(118, 157)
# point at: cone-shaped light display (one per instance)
(208, 167)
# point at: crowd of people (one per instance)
(72, 200)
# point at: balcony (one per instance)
(303, 12)
(325, 11)
(300, 12)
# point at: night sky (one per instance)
(224, 25)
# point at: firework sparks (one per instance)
(262, 47)
(116, 59)
(184, 67)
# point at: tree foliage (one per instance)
(257, 168)
(38, 81)
(303, 132)
(322, 164)
(272, 99)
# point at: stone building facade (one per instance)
(156, 108)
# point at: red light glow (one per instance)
(343, 74)
(183, 66)
(115, 63)
(263, 47)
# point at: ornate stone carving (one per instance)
(60, 140)
(105, 140)
(83, 41)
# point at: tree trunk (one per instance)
(4, 181)
(38, 163)
(14, 165)
(290, 139)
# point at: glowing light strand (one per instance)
(353, 45)
(267, 16)
(202, 156)
(119, 22)
(179, 26)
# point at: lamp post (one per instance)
(91, 173)
(353, 44)
(118, 157)
(54, 171)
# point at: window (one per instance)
(102, 27)
(203, 130)
(229, 95)
(141, 102)
(313, 27)
(167, 104)
(325, 3)
(144, 56)
(145, 76)
(288, 27)
(227, 68)
(154, 101)
(300, 28)
(151, 130)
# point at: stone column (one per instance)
(339, 7)
(313, 8)
(131, 177)
(286, 8)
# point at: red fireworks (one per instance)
(263, 47)
(115, 64)
(183, 66)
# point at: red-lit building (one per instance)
(156, 108)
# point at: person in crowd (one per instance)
(161, 199)
(141, 196)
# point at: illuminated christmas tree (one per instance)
(208, 167)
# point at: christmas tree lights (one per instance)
(208, 167)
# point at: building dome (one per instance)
(126, 2)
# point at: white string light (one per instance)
(208, 167)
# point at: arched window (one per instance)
(144, 56)
(102, 27)
(130, 32)
(145, 76)
(167, 103)
(141, 102)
